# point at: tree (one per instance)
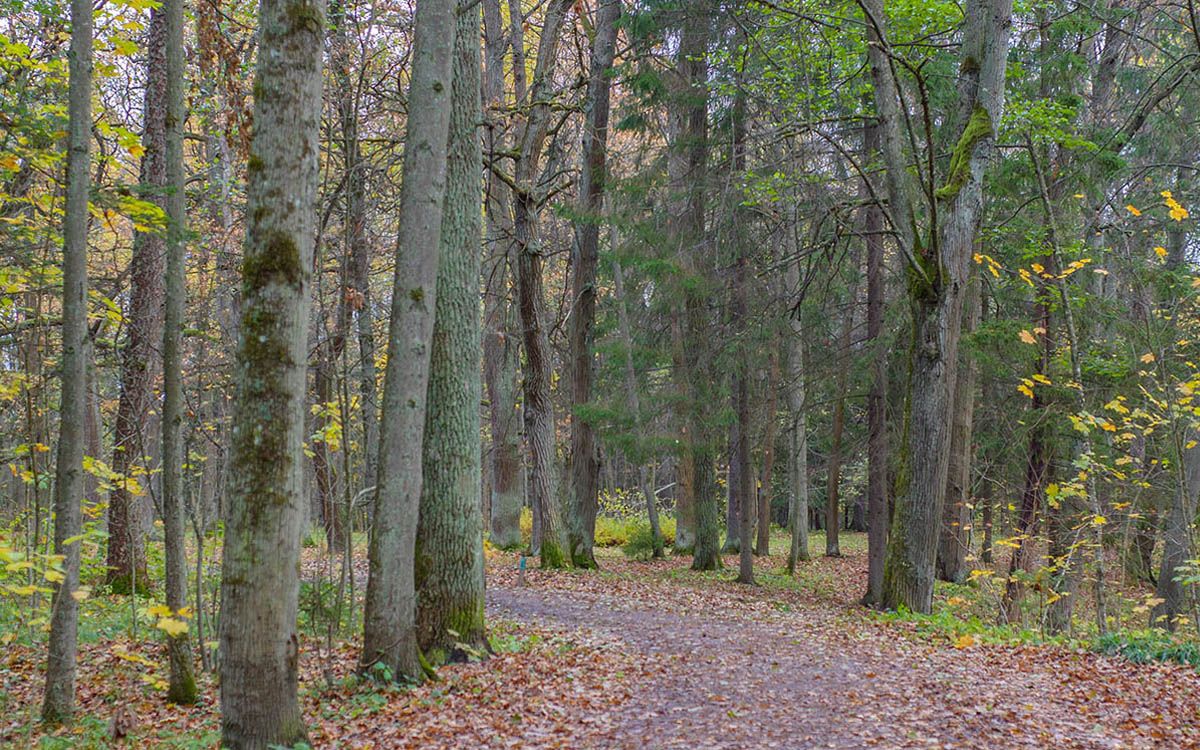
(449, 548)
(182, 683)
(585, 466)
(389, 620)
(938, 265)
(140, 359)
(552, 545)
(260, 559)
(59, 700)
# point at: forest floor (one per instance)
(653, 655)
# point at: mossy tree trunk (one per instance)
(140, 358)
(449, 550)
(58, 702)
(938, 254)
(585, 464)
(182, 682)
(266, 498)
(389, 620)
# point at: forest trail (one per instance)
(729, 667)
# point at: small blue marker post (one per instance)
(521, 571)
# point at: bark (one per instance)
(449, 551)
(877, 442)
(539, 407)
(59, 700)
(260, 560)
(389, 620)
(182, 682)
(798, 432)
(139, 359)
(585, 466)
(733, 481)
(500, 345)
(937, 280)
(954, 541)
(687, 166)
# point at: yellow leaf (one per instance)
(1099, 521)
(172, 627)
(964, 641)
(1160, 251)
(1027, 337)
(159, 610)
(1131, 209)
(1041, 378)
(1025, 389)
(81, 594)
(1148, 357)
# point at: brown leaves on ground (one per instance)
(652, 655)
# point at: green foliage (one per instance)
(1146, 646)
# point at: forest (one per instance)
(599, 374)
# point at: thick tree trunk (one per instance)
(954, 540)
(260, 561)
(938, 276)
(877, 441)
(59, 699)
(140, 358)
(798, 432)
(182, 683)
(389, 619)
(449, 551)
(585, 467)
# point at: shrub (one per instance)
(1143, 646)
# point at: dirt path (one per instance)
(737, 668)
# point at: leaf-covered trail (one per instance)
(732, 667)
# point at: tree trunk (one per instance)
(733, 481)
(500, 345)
(539, 406)
(585, 467)
(762, 546)
(182, 683)
(260, 560)
(449, 550)
(877, 441)
(954, 540)
(833, 519)
(389, 619)
(798, 434)
(1177, 535)
(139, 359)
(59, 700)
(938, 275)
